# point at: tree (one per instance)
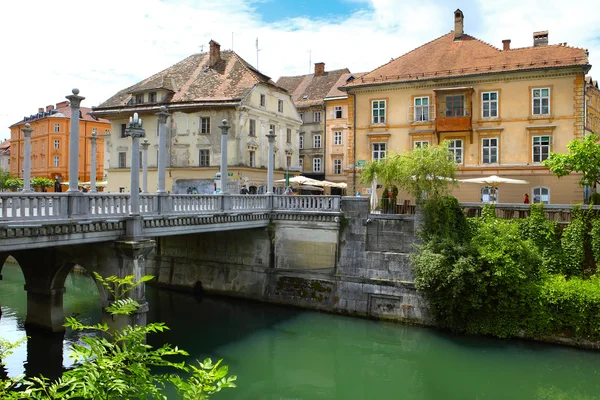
(4, 176)
(119, 364)
(39, 182)
(14, 183)
(583, 157)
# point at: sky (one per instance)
(49, 48)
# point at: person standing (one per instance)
(526, 201)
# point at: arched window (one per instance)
(487, 196)
(541, 194)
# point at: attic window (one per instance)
(305, 97)
(350, 78)
(139, 98)
(152, 97)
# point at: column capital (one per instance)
(162, 115)
(93, 137)
(224, 127)
(271, 137)
(27, 130)
(145, 144)
(135, 132)
(75, 99)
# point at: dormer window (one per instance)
(139, 98)
(152, 97)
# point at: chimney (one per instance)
(62, 104)
(506, 44)
(458, 24)
(49, 108)
(215, 53)
(41, 110)
(540, 38)
(319, 68)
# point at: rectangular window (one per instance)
(378, 151)
(288, 136)
(455, 105)
(272, 129)
(152, 97)
(541, 195)
(337, 167)
(288, 161)
(263, 100)
(107, 131)
(56, 161)
(205, 125)
(94, 131)
(56, 144)
(280, 106)
(337, 138)
(421, 109)
(337, 112)
(316, 165)
(541, 101)
(123, 127)
(122, 159)
(317, 116)
(317, 141)
(421, 143)
(42, 163)
(204, 158)
(456, 148)
(139, 98)
(252, 159)
(43, 146)
(301, 163)
(252, 128)
(489, 104)
(56, 127)
(301, 141)
(378, 108)
(490, 150)
(541, 148)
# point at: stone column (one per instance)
(136, 132)
(45, 309)
(145, 145)
(271, 136)
(27, 158)
(75, 101)
(162, 148)
(44, 353)
(224, 130)
(93, 161)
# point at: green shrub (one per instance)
(573, 244)
(545, 237)
(594, 199)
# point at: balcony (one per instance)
(454, 108)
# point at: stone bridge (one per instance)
(49, 233)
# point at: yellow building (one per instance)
(592, 106)
(199, 92)
(503, 110)
(50, 143)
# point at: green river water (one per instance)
(286, 353)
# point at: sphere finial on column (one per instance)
(75, 91)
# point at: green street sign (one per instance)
(361, 163)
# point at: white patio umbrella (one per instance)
(301, 180)
(494, 181)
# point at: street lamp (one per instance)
(136, 132)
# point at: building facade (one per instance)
(199, 93)
(50, 143)
(502, 110)
(309, 92)
(5, 155)
(592, 106)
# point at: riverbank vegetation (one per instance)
(528, 277)
(118, 363)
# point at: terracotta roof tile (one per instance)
(308, 90)
(445, 57)
(344, 79)
(192, 80)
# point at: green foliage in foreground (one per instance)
(583, 157)
(119, 364)
(510, 277)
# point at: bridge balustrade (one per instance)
(107, 204)
(192, 204)
(302, 203)
(33, 205)
(249, 202)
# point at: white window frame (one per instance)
(453, 147)
(541, 147)
(57, 161)
(204, 125)
(288, 135)
(317, 164)
(421, 111)
(317, 116)
(337, 112)
(540, 199)
(251, 158)
(301, 143)
(204, 155)
(317, 142)
(487, 191)
(337, 167)
(381, 105)
(540, 98)
(263, 100)
(95, 131)
(490, 147)
(420, 144)
(378, 150)
(252, 128)
(280, 106)
(56, 127)
(489, 102)
(337, 138)
(124, 164)
(57, 144)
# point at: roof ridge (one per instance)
(548, 45)
(250, 68)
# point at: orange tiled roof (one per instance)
(311, 89)
(193, 81)
(444, 57)
(62, 111)
(344, 79)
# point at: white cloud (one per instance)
(102, 47)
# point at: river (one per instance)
(286, 353)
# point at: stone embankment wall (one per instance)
(354, 263)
